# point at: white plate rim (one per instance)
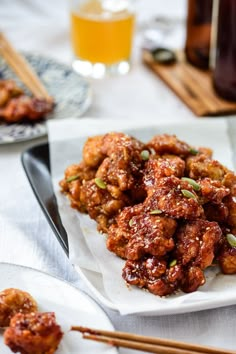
(67, 284)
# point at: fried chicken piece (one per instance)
(153, 274)
(170, 199)
(216, 212)
(212, 191)
(160, 278)
(73, 180)
(102, 204)
(36, 333)
(23, 107)
(116, 142)
(201, 166)
(8, 90)
(156, 168)
(137, 233)
(231, 219)
(92, 151)
(123, 164)
(192, 279)
(227, 258)
(13, 301)
(196, 243)
(170, 144)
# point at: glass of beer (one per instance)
(101, 36)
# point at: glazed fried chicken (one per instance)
(102, 203)
(201, 166)
(196, 242)
(227, 258)
(13, 301)
(108, 178)
(166, 207)
(36, 333)
(137, 233)
(169, 144)
(154, 274)
(175, 198)
(16, 106)
(8, 90)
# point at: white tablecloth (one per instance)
(25, 236)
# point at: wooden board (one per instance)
(192, 85)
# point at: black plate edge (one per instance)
(31, 159)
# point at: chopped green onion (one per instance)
(193, 151)
(173, 263)
(231, 239)
(155, 211)
(145, 155)
(131, 222)
(100, 183)
(193, 183)
(188, 194)
(72, 178)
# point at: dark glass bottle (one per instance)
(198, 34)
(224, 75)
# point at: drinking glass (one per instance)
(101, 36)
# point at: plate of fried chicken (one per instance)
(22, 116)
(149, 212)
(37, 311)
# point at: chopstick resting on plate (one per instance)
(146, 344)
(22, 69)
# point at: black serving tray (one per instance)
(35, 161)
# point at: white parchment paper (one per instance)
(87, 247)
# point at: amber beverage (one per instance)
(224, 75)
(198, 34)
(102, 32)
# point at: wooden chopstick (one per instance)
(146, 344)
(22, 69)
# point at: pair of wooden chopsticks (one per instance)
(146, 344)
(22, 69)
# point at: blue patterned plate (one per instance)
(71, 92)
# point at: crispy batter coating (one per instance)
(71, 184)
(138, 233)
(216, 212)
(230, 203)
(36, 333)
(123, 163)
(16, 106)
(8, 89)
(161, 279)
(227, 258)
(23, 107)
(192, 279)
(116, 160)
(13, 301)
(201, 166)
(101, 204)
(153, 274)
(196, 242)
(166, 166)
(92, 151)
(212, 191)
(170, 199)
(169, 144)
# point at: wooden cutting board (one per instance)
(192, 85)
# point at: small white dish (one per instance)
(71, 307)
